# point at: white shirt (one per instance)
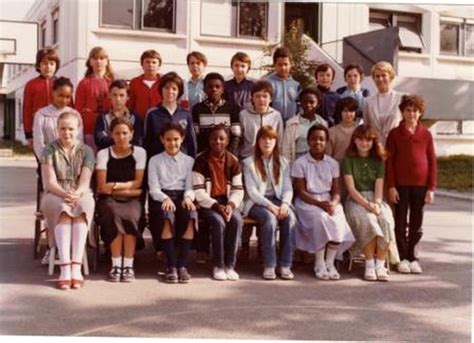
(139, 154)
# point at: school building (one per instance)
(431, 46)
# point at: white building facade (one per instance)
(437, 42)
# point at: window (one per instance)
(55, 17)
(250, 18)
(409, 25)
(456, 37)
(43, 34)
(139, 14)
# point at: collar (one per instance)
(126, 114)
(200, 79)
(173, 158)
(252, 110)
(310, 158)
(214, 107)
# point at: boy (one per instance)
(354, 74)
(325, 75)
(238, 89)
(216, 110)
(285, 88)
(194, 88)
(144, 93)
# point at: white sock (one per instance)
(370, 264)
(330, 256)
(379, 263)
(117, 261)
(79, 237)
(62, 236)
(128, 262)
(319, 260)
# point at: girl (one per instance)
(369, 217)
(38, 91)
(340, 135)
(411, 178)
(118, 93)
(354, 74)
(171, 89)
(92, 91)
(173, 216)
(381, 109)
(217, 183)
(120, 170)
(46, 119)
(268, 184)
(322, 227)
(294, 139)
(68, 205)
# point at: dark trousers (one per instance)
(412, 200)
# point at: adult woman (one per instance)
(68, 205)
(120, 170)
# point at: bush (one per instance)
(456, 172)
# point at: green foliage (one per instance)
(456, 172)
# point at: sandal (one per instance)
(64, 284)
(77, 283)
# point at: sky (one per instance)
(14, 9)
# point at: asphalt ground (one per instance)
(431, 307)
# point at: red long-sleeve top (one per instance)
(38, 93)
(142, 97)
(411, 158)
(92, 98)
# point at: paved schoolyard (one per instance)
(435, 306)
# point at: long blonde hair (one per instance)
(95, 52)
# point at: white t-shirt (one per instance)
(149, 83)
(139, 154)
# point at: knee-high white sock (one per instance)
(62, 236)
(330, 256)
(79, 237)
(319, 260)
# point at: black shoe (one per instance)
(184, 276)
(171, 275)
(115, 274)
(128, 275)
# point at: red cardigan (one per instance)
(411, 158)
(142, 98)
(92, 98)
(38, 93)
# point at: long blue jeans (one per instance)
(269, 224)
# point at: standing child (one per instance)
(93, 90)
(411, 178)
(238, 90)
(144, 89)
(194, 89)
(285, 88)
(322, 227)
(171, 89)
(38, 91)
(216, 110)
(325, 75)
(354, 74)
(259, 115)
(295, 143)
(369, 217)
(118, 93)
(340, 135)
(173, 216)
(217, 183)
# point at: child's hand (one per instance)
(284, 210)
(274, 209)
(393, 195)
(374, 208)
(429, 197)
(188, 204)
(168, 205)
(228, 210)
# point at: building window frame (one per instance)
(43, 32)
(55, 26)
(462, 36)
(236, 17)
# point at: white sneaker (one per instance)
(415, 267)
(370, 275)
(332, 272)
(269, 273)
(231, 274)
(286, 273)
(219, 274)
(381, 273)
(321, 273)
(404, 267)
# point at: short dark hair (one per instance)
(172, 77)
(317, 127)
(314, 91)
(199, 55)
(119, 121)
(416, 101)
(322, 68)
(213, 76)
(262, 85)
(281, 52)
(49, 54)
(219, 127)
(350, 103)
(150, 54)
(120, 84)
(62, 81)
(357, 67)
(172, 127)
(241, 57)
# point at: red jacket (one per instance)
(92, 98)
(142, 98)
(38, 93)
(411, 158)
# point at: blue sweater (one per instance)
(157, 118)
(285, 95)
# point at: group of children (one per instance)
(209, 152)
